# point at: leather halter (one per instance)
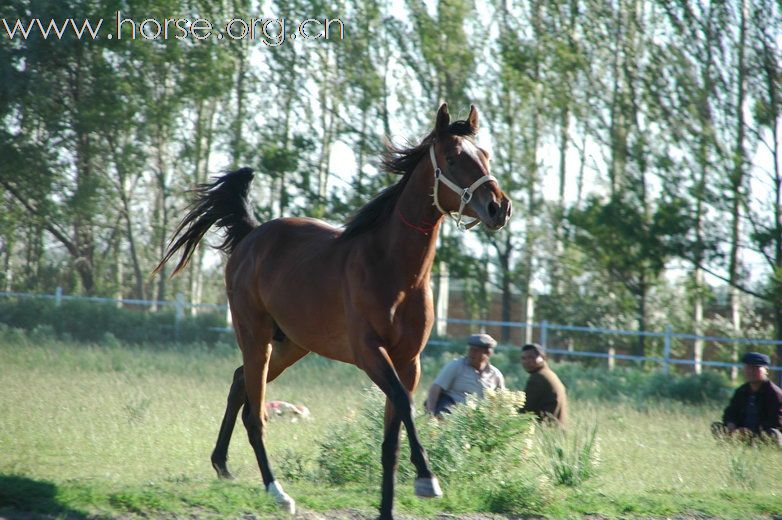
(465, 194)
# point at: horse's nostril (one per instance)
(494, 208)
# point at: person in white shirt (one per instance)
(470, 374)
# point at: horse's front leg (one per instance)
(426, 484)
(378, 365)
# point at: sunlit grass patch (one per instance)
(116, 430)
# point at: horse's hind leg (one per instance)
(254, 337)
(236, 397)
(284, 354)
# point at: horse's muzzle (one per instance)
(498, 213)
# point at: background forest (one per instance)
(639, 141)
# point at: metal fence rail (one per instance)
(543, 327)
(668, 336)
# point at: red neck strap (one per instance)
(427, 227)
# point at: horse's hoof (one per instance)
(222, 471)
(281, 497)
(427, 488)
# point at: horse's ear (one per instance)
(472, 119)
(443, 120)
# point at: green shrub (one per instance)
(12, 335)
(635, 384)
(292, 465)
(481, 436)
(42, 333)
(91, 321)
(351, 451)
(691, 388)
(519, 493)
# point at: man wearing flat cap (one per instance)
(755, 410)
(546, 396)
(470, 374)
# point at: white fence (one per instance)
(543, 328)
(179, 304)
(668, 336)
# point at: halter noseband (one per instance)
(465, 194)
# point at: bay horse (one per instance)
(359, 295)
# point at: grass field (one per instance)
(114, 431)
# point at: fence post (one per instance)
(667, 348)
(58, 296)
(529, 318)
(180, 314)
(611, 358)
(180, 307)
(544, 334)
(443, 294)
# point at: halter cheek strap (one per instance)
(465, 194)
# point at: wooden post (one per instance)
(180, 306)
(611, 358)
(529, 318)
(667, 349)
(180, 313)
(443, 293)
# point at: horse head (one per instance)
(463, 184)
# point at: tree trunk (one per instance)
(737, 178)
(697, 319)
(642, 295)
(86, 186)
(505, 284)
(532, 164)
(706, 131)
(8, 266)
(137, 272)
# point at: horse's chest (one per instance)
(413, 317)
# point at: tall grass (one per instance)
(568, 457)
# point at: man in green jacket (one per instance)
(546, 395)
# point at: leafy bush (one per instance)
(91, 321)
(633, 384)
(519, 493)
(292, 465)
(42, 333)
(476, 433)
(351, 451)
(477, 438)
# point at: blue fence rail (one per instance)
(543, 327)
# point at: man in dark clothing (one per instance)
(755, 410)
(546, 395)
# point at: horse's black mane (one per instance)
(400, 160)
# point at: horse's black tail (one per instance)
(224, 203)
